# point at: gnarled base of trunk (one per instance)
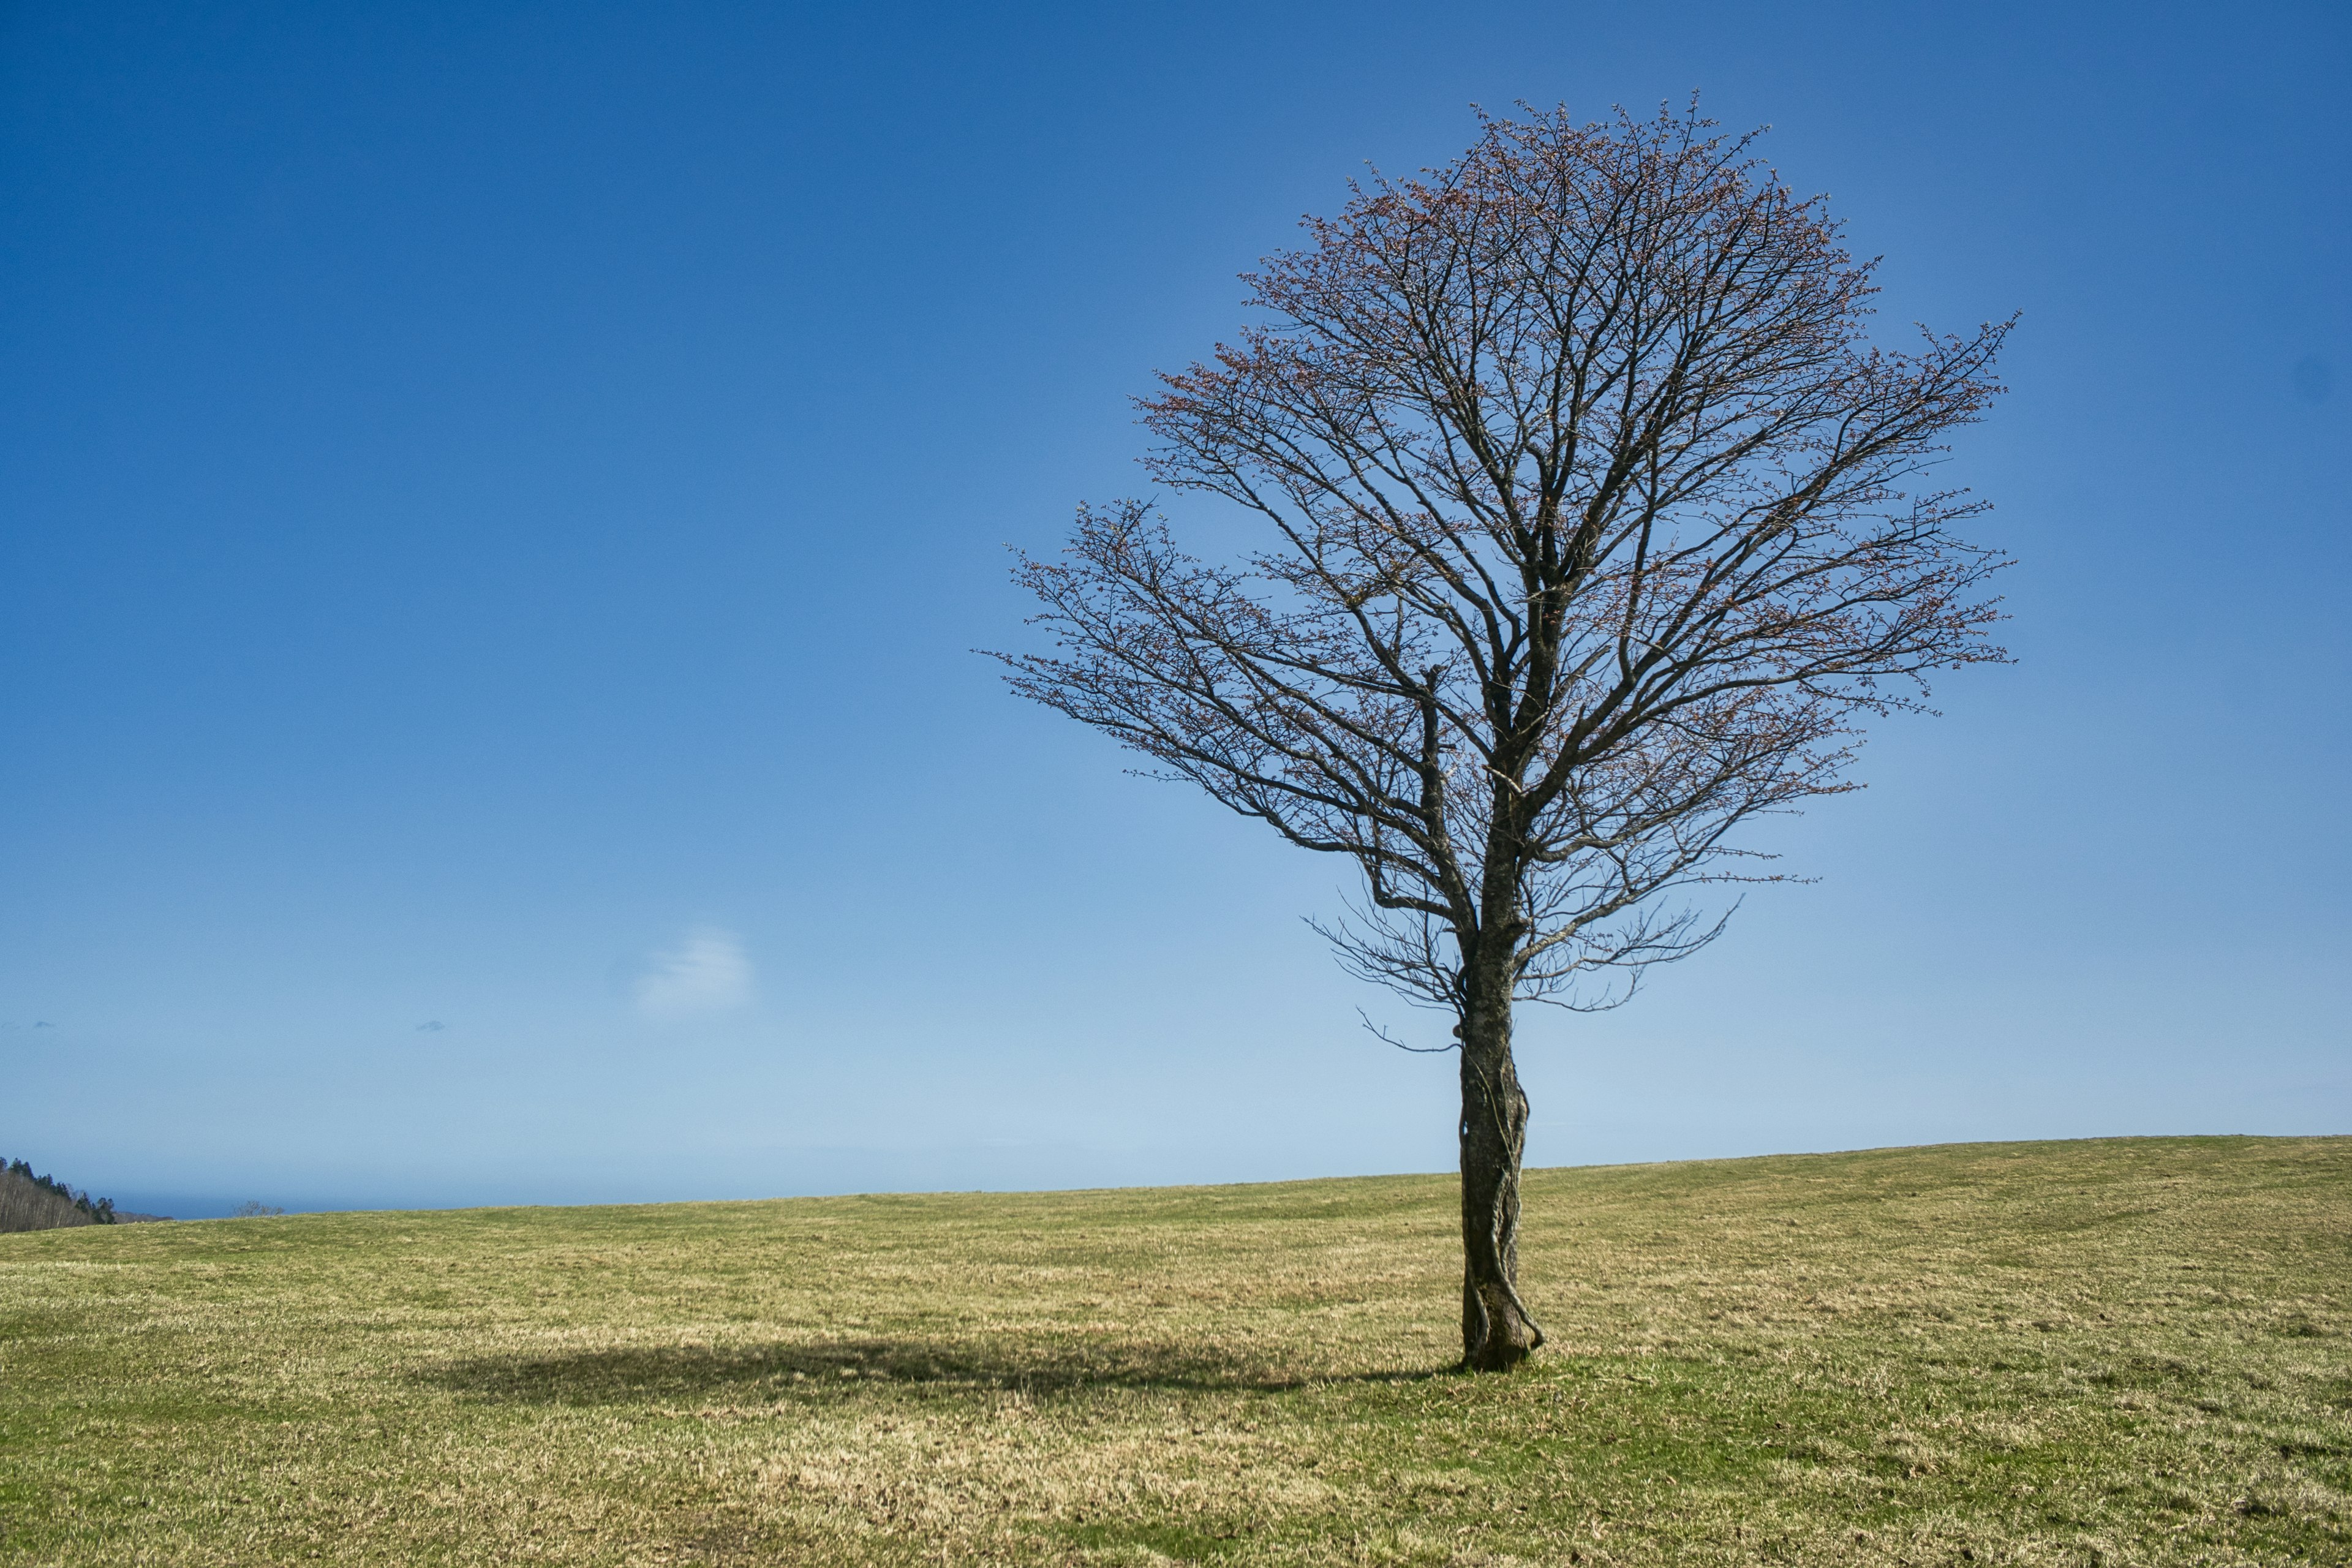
(1496, 1333)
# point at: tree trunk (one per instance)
(1497, 1332)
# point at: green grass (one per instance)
(2128, 1352)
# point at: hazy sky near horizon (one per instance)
(496, 502)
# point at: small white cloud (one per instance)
(705, 973)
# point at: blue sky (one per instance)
(498, 501)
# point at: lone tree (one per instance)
(1592, 533)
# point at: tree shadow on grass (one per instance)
(763, 1373)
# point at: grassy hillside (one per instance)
(2126, 1351)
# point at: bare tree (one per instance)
(1593, 531)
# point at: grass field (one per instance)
(2130, 1351)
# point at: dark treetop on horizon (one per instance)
(1592, 533)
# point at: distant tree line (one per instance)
(30, 1201)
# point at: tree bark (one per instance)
(1498, 1334)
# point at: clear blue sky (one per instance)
(495, 503)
